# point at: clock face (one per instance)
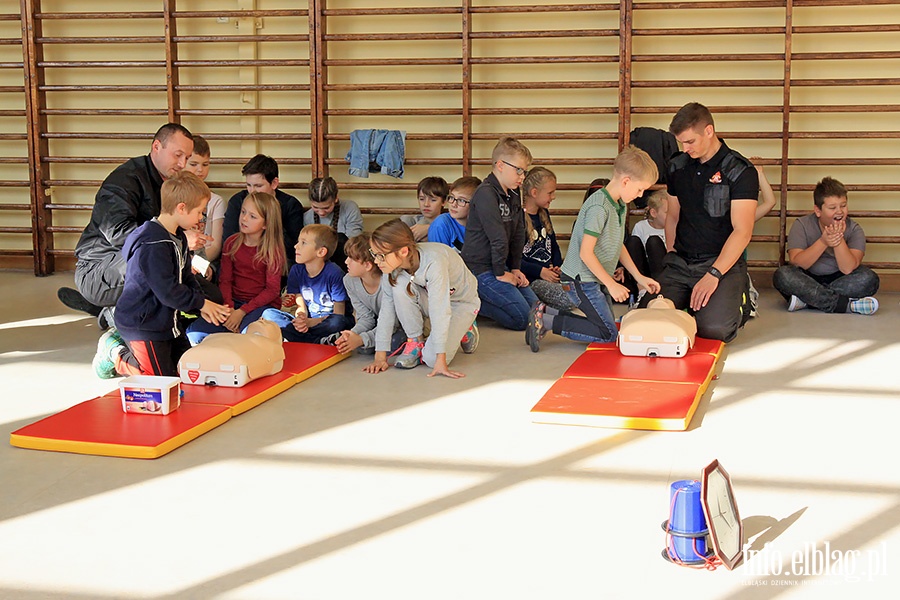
(721, 514)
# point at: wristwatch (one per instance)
(715, 272)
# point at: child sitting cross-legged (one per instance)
(158, 284)
(316, 285)
(364, 282)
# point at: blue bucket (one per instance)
(687, 525)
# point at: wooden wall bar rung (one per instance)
(540, 60)
(464, 59)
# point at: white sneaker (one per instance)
(796, 304)
(863, 306)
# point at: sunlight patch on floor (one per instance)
(487, 425)
(264, 509)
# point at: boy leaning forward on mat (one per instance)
(594, 250)
(148, 338)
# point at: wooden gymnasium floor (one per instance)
(398, 486)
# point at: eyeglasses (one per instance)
(380, 256)
(519, 170)
(457, 201)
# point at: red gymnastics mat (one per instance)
(603, 388)
(100, 426)
(301, 361)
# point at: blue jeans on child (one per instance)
(503, 302)
(201, 328)
(331, 324)
(600, 322)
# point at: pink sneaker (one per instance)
(410, 355)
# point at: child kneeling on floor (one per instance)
(148, 338)
(316, 285)
(424, 280)
(364, 284)
(594, 250)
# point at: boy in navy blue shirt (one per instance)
(158, 285)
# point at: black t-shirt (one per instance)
(704, 192)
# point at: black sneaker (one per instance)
(74, 300)
(330, 340)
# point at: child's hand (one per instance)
(300, 322)
(379, 364)
(196, 239)
(233, 322)
(549, 275)
(507, 278)
(348, 342)
(420, 231)
(441, 368)
(619, 274)
(214, 313)
(651, 285)
(619, 292)
(521, 278)
(289, 300)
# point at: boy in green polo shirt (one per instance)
(594, 250)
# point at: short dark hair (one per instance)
(826, 188)
(168, 130)
(261, 165)
(433, 186)
(201, 146)
(692, 115)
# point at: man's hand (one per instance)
(619, 274)
(703, 291)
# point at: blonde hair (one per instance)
(270, 251)
(656, 201)
(635, 163)
(396, 235)
(535, 179)
(182, 188)
(324, 237)
(467, 183)
(510, 147)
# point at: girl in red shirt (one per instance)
(253, 263)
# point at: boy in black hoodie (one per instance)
(158, 285)
(495, 238)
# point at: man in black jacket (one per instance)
(127, 198)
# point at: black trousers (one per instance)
(723, 315)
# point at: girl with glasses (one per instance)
(425, 280)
